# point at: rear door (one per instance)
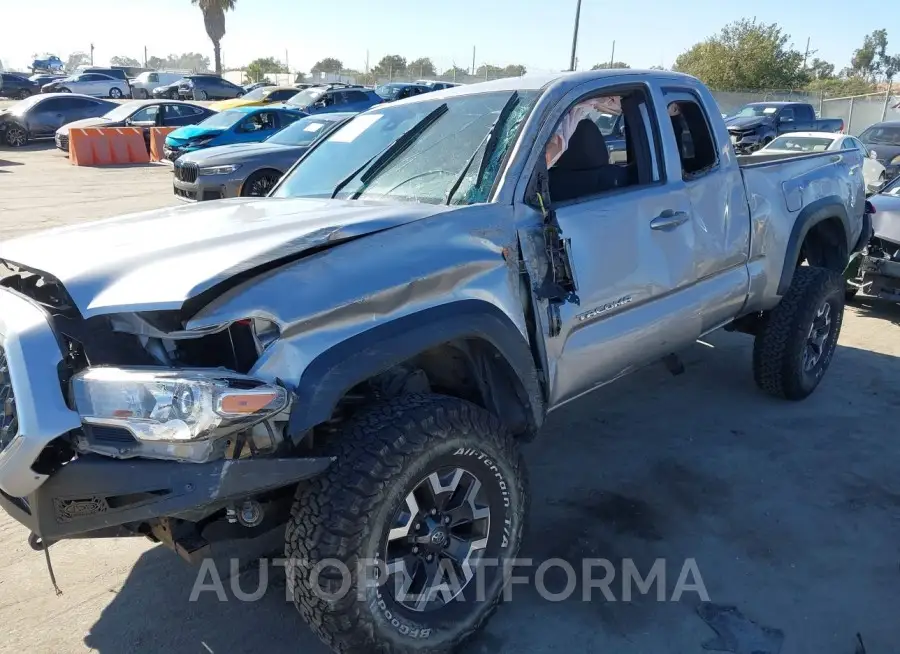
(804, 118)
(179, 115)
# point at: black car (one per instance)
(16, 86)
(41, 115)
(45, 78)
(140, 113)
(167, 91)
(883, 140)
(208, 87)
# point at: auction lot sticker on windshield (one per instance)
(770, 110)
(349, 132)
(313, 127)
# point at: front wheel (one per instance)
(115, 93)
(65, 90)
(796, 343)
(24, 93)
(400, 545)
(16, 136)
(201, 95)
(260, 183)
(173, 94)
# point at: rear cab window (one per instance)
(693, 134)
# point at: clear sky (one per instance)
(530, 32)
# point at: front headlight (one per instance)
(175, 405)
(219, 170)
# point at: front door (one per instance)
(631, 244)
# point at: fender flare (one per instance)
(812, 214)
(338, 369)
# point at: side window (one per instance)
(804, 112)
(146, 115)
(582, 161)
(356, 96)
(848, 144)
(281, 95)
(694, 138)
(786, 115)
(153, 78)
(57, 104)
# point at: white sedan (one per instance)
(96, 84)
(806, 142)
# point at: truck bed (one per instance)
(779, 187)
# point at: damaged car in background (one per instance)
(358, 356)
(876, 270)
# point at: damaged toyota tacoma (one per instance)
(357, 357)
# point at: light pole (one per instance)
(575, 35)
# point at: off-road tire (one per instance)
(345, 514)
(778, 349)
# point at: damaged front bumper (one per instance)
(95, 496)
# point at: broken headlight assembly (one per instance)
(175, 407)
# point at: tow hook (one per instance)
(37, 543)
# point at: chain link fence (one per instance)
(861, 111)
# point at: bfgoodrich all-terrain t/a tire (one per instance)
(795, 346)
(419, 483)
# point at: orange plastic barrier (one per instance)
(92, 146)
(157, 141)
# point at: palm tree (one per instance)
(214, 20)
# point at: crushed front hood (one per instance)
(158, 259)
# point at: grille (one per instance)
(186, 172)
(62, 142)
(9, 423)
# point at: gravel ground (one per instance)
(790, 510)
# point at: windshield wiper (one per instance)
(489, 142)
(397, 148)
(395, 143)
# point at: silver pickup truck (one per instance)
(359, 355)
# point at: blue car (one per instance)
(333, 97)
(238, 125)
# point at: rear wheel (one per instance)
(115, 93)
(65, 90)
(201, 95)
(260, 183)
(24, 93)
(794, 347)
(428, 493)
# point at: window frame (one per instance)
(680, 93)
(655, 151)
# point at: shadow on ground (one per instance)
(788, 509)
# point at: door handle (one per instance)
(669, 219)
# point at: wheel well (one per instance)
(471, 369)
(825, 245)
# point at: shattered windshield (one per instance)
(451, 156)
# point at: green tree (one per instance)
(256, 70)
(488, 71)
(745, 55)
(328, 65)
(608, 66)
(514, 70)
(820, 69)
(455, 72)
(422, 67)
(124, 61)
(214, 21)
(839, 87)
(390, 66)
(299, 78)
(77, 59)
